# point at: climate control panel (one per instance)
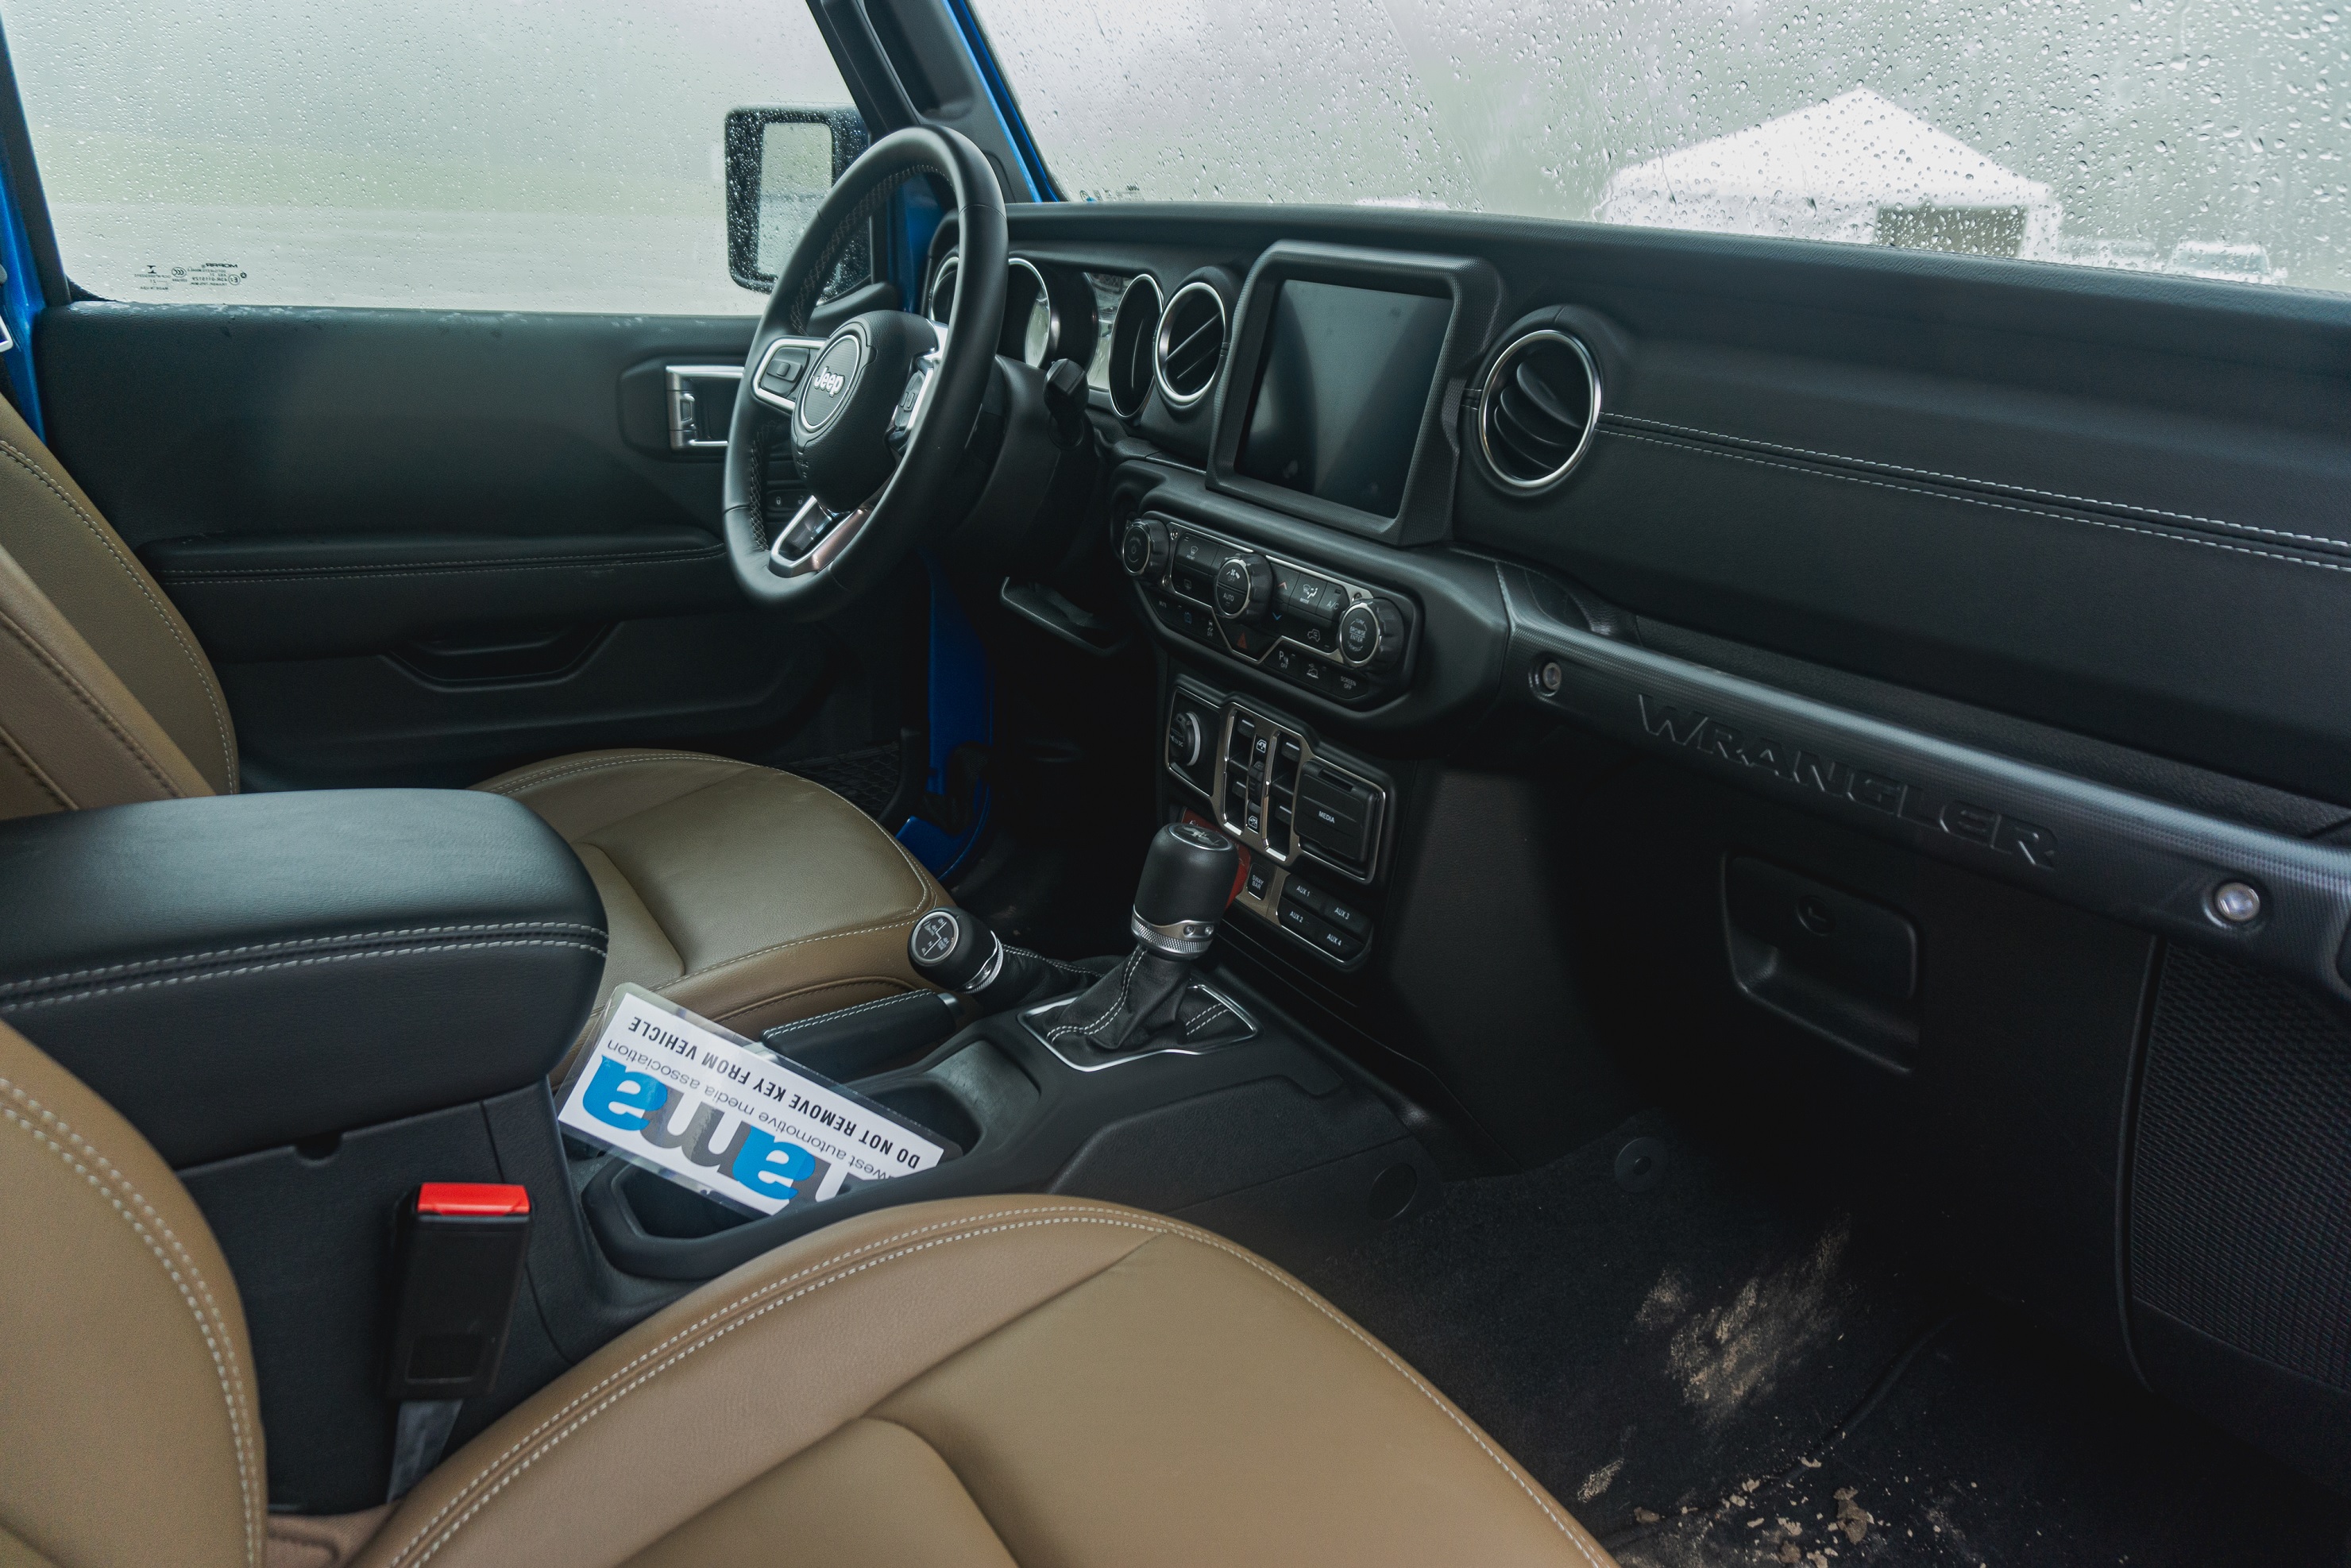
(1300, 624)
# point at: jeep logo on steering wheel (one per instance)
(829, 383)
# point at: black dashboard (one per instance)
(1983, 615)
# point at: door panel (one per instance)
(424, 546)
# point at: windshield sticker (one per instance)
(709, 1110)
(207, 275)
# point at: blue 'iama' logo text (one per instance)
(639, 1103)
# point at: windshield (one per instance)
(2175, 136)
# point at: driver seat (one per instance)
(753, 896)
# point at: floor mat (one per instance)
(867, 779)
(1727, 1368)
(1640, 1352)
(1996, 1446)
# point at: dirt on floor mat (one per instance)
(1998, 1446)
(1715, 1366)
(1641, 1351)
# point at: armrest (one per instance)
(241, 972)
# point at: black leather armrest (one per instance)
(247, 971)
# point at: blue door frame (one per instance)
(961, 698)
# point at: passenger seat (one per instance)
(989, 1381)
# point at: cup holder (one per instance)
(671, 1212)
(928, 1105)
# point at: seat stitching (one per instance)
(179, 1266)
(548, 776)
(32, 771)
(80, 694)
(1022, 1222)
(716, 1313)
(922, 881)
(795, 942)
(21, 1004)
(1989, 484)
(138, 579)
(790, 991)
(253, 947)
(840, 1013)
(1995, 505)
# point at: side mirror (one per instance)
(780, 164)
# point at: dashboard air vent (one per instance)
(1133, 329)
(1540, 404)
(1191, 344)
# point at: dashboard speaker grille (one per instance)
(1541, 402)
(1191, 344)
(2240, 1180)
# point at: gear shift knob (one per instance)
(1188, 877)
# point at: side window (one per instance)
(456, 154)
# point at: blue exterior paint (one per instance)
(962, 712)
(20, 304)
(1008, 111)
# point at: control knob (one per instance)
(1186, 738)
(1144, 549)
(1371, 635)
(1244, 588)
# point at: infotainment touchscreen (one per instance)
(1341, 392)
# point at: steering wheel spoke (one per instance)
(783, 365)
(857, 402)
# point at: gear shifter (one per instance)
(954, 950)
(1150, 1001)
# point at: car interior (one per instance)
(1515, 889)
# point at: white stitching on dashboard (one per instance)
(1980, 501)
(251, 948)
(1610, 419)
(20, 1004)
(904, 1247)
(179, 1266)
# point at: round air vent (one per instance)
(1541, 405)
(1133, 329)
(939, 304)
(1191, 344)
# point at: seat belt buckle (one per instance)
(457, 1271)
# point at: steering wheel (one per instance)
(877, 414)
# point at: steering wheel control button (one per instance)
(1244, 588)
(783, 369)
(1144, 549)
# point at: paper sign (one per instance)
(735, 1122)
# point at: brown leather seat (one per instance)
(991, 1381)
(753, 896)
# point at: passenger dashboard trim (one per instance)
(2097, 848)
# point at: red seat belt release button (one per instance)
(459, 1268)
